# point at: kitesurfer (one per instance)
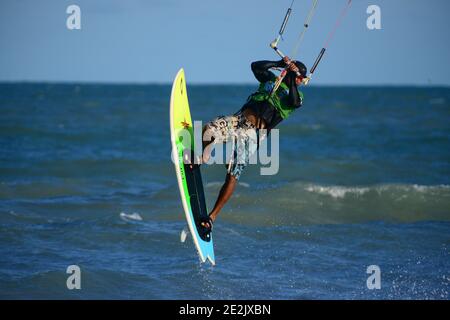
(264, 109)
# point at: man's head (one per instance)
(303, 70)
(301, 67)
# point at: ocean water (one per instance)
(86, 179)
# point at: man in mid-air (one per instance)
(264, 109)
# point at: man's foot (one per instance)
(207, 224)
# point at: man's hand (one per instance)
(294, 68)
(287, 61)
(290, 65)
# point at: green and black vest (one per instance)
(262, 100)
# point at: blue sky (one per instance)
(147, 41)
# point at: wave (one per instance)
(336, 191)
(287, 203)
(304, 203)
(341, 192)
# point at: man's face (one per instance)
(298, 81)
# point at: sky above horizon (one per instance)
(147, 41)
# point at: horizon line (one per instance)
(142, 83)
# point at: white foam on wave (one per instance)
(133, 216)
(421, 188)
(337, 192)
(413, 187)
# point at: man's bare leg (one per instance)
(224, 195)
(230, 181)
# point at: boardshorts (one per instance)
(238, 131)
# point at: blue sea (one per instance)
(86, 179)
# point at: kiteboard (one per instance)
(188, 173)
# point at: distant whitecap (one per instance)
(133, 216)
